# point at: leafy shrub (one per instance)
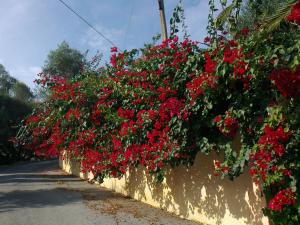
(161, 105)
(12, 111)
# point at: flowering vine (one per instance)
(163, 104)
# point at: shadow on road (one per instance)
(36, 198)
(33, 178)
(35, 185)
(42, 185)
(33, 191)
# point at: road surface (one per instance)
(39, 193)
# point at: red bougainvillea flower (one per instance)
(217, 164)
(240, 69)
(200, 84)
(245, 31)
(113, 49)
(96, 116)
(270, 148)
(232, 125)
(210, 66)
(125, 113)
(219, 168)
(218, 119)
(92, 162)
(141, 110)
(207, 40)
(230, 55)
(259, 168)
(287, 82)
(274, 139)
(32, 119)
(282, 198)
(227, 126)
(73, 113)
(295, 13)
(127, 127)
(113, 60)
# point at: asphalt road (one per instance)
(39, 193)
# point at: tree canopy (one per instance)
(6, 81)
(64, 61)
(22, 92)
(12, 111)
(257, 11)
(10, 86)
(15, 104)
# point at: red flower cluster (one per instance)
(230, 55)
(272, 140)
(261, 165)
(32, 119)
(234, 55)
(245, 31)
(204, 81)
(270, 148)
(219, 168)
(210, 65)
(152, 104)
(92, 162)
(200, 84)
(227, 126)
(127, 128)
(126, 114)
(282, 198)
(50, 147)
(96, 116)
(170, 108)
(295, 13)
(72, 113)
(141, 110)
(287, 82)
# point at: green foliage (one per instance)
(272, 21)
(256, 15)
(12, 87)
(22, 92)
(12, 111)
(64, 61)
(177, 19)
(161, 105)
(269, 14)
(211, 29)
(15, 104)
(6, 81)
(223, 16)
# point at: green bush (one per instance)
(12, 111)
(159, 106)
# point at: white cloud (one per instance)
(96, 42)
(15, 12)
(26, 74)
(196, 19)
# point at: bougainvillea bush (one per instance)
(161, 105)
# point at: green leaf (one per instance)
(272, 22)
(224, 15)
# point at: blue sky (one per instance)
(29, 29)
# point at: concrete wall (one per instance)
(191, 193)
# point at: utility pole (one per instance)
(163, 24)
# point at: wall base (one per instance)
(191, 193)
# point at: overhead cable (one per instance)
(87, 22)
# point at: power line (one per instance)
(129, 22)
(86, 22)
